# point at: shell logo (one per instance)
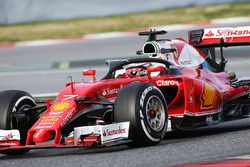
(61, 106)
(208, 96)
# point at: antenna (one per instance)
(152, 34)
(70, 77)
(91, 64)
(71, 83)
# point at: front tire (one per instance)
(14, 101)
(144, 106)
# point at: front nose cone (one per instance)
(42, 135)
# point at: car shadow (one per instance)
(44, 153)
(220, 128)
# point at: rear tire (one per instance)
(144, 106)
(13, 101)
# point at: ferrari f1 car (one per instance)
(178, 86)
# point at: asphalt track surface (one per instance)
(218, 141)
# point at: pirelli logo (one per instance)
(49, 120)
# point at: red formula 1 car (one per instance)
(179, 86)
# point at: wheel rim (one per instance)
(22, 103)
(14, 122)
(155, 113)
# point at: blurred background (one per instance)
(24, 11)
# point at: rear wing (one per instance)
(217, 37)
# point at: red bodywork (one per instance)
(198, 93)
(195, 92)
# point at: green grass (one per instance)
(78, 27)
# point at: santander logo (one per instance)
(9, 136)
(209, 34)
(118, 131)
(227, 32)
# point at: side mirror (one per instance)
(139, 52)
(90, 73)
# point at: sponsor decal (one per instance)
(118, 131)
(61, 106)
(67, 118)
(209, 34)
(176, 54)
(55, 113)
(144, 93)
(187, 62)
(6, 135)
(233, 32)
(208, 96)
(114, 132)
(167, 83)
(142, 99)
(108, 133)
(9, 136)
(49, 120)
(227, 32)
(109, 91)
(43, 126)
(66, 97)
(209, 118)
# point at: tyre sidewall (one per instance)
(145, 92)
(12, 101)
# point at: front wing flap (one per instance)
(106, 133)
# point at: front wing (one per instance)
(98, 135)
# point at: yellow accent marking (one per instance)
(60, 106)
(49, 119)
(208, 96)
